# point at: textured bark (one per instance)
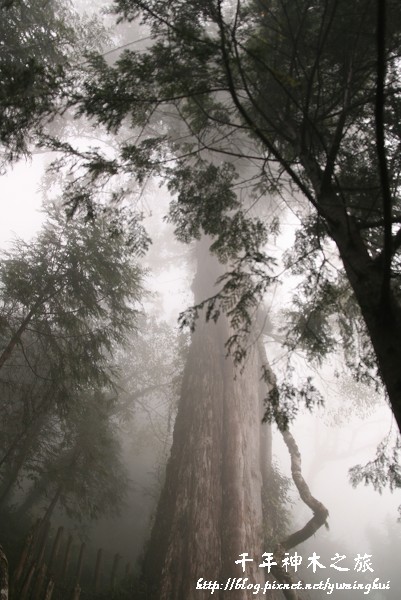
(210, 509)
(320, 515)
(320, 512)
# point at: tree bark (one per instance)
(210, 510)
(381, 312)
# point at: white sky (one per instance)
(349, 509)
(20, 201)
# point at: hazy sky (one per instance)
(20, 199)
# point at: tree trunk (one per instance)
(15, 468)
(210, 510)
(16, 337)
(379, 305)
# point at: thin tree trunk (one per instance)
(49, 590)
(53, 504)
(16, 467)
(66, 560)
(114, 570)
(97, 570)
(39, 415)
(16, 337)
(56, 548)
(27, 582)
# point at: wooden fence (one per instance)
(53, 569)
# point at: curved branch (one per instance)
(320, 512)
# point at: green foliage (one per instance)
(76, 287)
(68, 301)
(276, 503)
(227, 103)
(41, 40)
(35, 41)
(242, 289)
(204, 196)
(284, 89)
(324, 316)
(285, 399)
(383, 471)
(84, 460)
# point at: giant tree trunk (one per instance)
(210, 509)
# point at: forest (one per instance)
(200, 299)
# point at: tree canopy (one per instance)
(239, 109)
(38, 45)
(69, 299)
(297, 101)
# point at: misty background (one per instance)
(150, 363)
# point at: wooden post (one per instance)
(3, 575)
(56, 548)
(80, 560)
(37, 588)
(66, 561)
(127, 570)
(25, 555)
(97, 570)
(114, 571)
(49, 589)
(27, 582)
(42, 539)
(76, 592)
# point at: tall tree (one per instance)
(210, 510)
(306, 94)
(217, 500)
(70, 293)
(68, 300)
(82, 469)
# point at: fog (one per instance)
(331, 439)
(181, 424)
